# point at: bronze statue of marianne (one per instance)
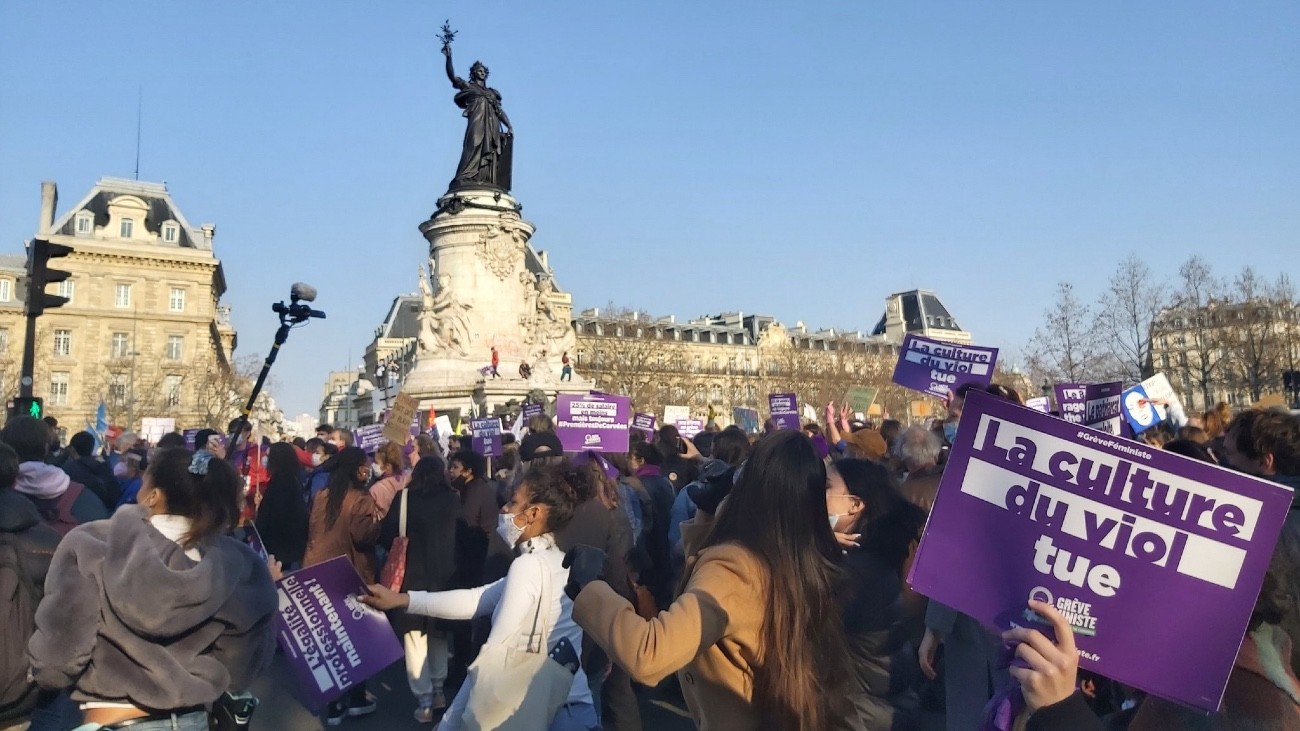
(485, 158)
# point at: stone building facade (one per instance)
(144, 332)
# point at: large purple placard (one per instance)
(332, 641)
(784, 408)
(592, 422)
(1156, 559)
(1094, 405)
(934, 367)
(485, 436)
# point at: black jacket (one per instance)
(97, 477)
(282, 519)
(34, 544)
(431, 557)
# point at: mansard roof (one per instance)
(157, 199)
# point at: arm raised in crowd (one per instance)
(1048, 683)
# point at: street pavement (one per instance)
(661, 710)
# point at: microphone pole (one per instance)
(295, 313)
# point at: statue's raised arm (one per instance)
(455, 80)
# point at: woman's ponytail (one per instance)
(198, 486)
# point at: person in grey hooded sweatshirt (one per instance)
(62, 503)
(152, 615)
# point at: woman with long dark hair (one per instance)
(344, 521)
(882, 620)
(426, 509)
(282, 515)
(153, 614)
(755, 635)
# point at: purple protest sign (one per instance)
(644, 423)
(784, 408)
(485, 436)
(688, 428)
(1094, 405)
(1155, 559)
(190, 435)
(591, 422)
(331, 640)
(254, 541)
(369, 437)
(531, 410)
(934, 367)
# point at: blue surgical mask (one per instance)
(950, 431)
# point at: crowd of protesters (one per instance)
(761, 576)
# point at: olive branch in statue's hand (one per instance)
(447, 36)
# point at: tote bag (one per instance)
(395, 567)
(518, 690)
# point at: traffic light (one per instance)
(39, 274)
(28, 406)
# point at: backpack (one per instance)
(19, 596)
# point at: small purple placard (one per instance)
(331, 640)
(1155, 559)
(784, 408)
(1094, 405)
(644, 423)
(369, 437)
(598, 423)
(485, 436)
(936, 368)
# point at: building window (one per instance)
(59, 389)
(6, 290)
(128, 228)
(63, 343)
(121, 345)
(170, 232)
(122, 296)
(177, 302)
(66, 288)
(117, 389)
(85, 223)
(172, 390)
(4, 340)
(175, 346)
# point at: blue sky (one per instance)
(798, 159)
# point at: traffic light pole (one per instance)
(29, 358)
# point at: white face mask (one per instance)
(316, 459)
(835, 518)
(506, 528)
(376, 472)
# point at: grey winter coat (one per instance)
(127, 617)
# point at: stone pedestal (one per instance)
(502, 295)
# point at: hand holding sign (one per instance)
(384, 599)
(1052, 666)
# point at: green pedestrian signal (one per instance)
(28, 406)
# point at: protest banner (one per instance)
(591, 422)
(531, 410)
(1155, 559)
(398, 425)
(784, 409)
(370, 436)
(1041, 404)
(746, 419)
(861, 398)
(644, 423)
(1094, 405)
(442, 430)
(936, 368)
(190, 435)
(153, 428)
(688, 428)
(331, 640)
(485, 436)
(674, 414)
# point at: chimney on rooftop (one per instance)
(209, 231)
(49, 201)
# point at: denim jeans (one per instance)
(55, 712)
(196, 721)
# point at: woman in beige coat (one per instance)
(755, 636)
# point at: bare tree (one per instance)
(1125, 315)
(1199, 343)
(1252, 331)
(1066, 346)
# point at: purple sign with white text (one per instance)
(784, 408)
(1094, 405)
(190, 435)
(598, 423)
(486, 436)
(934, 367)
(331, 640)
(369, 437)
(1155, 559)
(531, 410)
(688, 428)
(644, 423)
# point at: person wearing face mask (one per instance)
(542, 505)
(344, 521)
(882, 619)
(390, 474)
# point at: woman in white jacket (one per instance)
(542, 505)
